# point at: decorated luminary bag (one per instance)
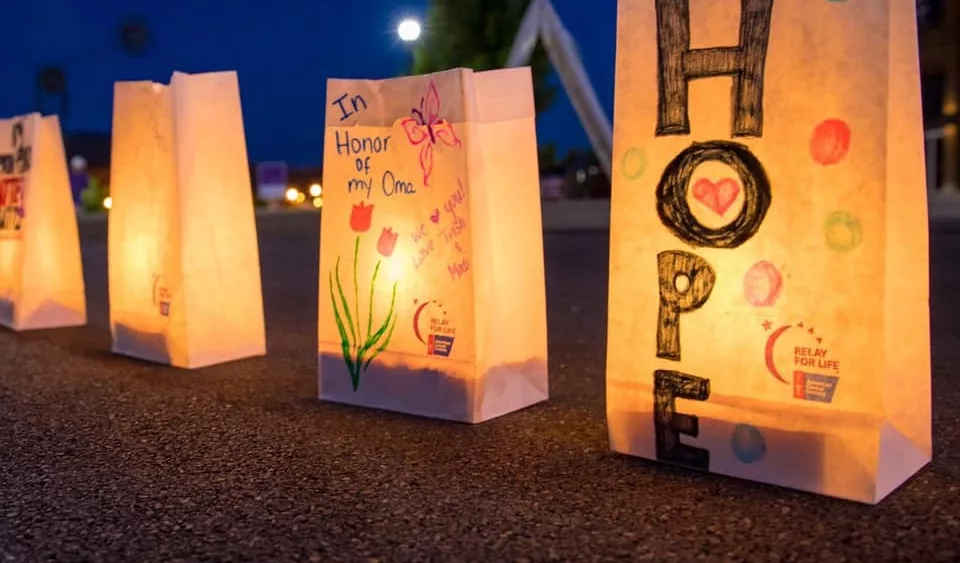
(184, 266)
(768, 309)
(431, 246)
(41, 275)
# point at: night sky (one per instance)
(283, 51)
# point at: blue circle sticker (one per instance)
(748, 444)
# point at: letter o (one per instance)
(675, 213)
(384, 183)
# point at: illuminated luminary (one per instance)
(184, 267)
(315, 190)
(432, 294)
(41, 274)
(768, 314)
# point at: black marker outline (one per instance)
(675, 213)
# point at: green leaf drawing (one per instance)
(344, 340)
(343, 303)
(356, 286)
(383, 346)
(373, 284)
(359, 351)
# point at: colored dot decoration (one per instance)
(830, 142)
(633, 164)
(748, 444)
(843, 231)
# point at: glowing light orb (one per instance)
(409, 30)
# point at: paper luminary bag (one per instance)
(184, 266)
(432, 296)
(768, 309)
(41, 274)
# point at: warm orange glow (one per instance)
(107, 202)
(41, 276)
(745, 338)
(429, 258)
(183, 263)
(318, 202)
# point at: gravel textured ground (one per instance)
(103, 458)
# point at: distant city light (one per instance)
(316, 190)
(78, 164)
(292, 194)
(107, 202)
(318, 202)
(409, 30)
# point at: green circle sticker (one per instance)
(843, 231)
(633, 164)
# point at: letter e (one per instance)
(668, 386)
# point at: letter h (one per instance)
(679, 64)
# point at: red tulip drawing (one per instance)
(359, 349)
(388, 240)
(426, 127)
(361, 217)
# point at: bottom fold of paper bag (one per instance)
(157, 347)
(48, 315)
(445, 390)
(809, 453)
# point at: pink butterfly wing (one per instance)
(426, 162)
(433, 104)
(444, 132)
(415, 133)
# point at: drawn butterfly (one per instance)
(425, 128)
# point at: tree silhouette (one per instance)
(478, 34)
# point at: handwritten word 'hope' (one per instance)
(679, 64)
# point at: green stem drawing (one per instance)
(356, 286)
(359, 350)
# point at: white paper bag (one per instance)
(184, 266)
(41, 274)
(768, 314)
(432, 298)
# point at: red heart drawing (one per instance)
(435, 216)
(717, 196)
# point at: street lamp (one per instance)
(409, 30)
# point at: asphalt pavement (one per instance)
(104, 458)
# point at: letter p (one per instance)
(686, 281)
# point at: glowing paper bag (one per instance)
(41, 274)
(768, 312)
(184, 266)
(432, 298)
